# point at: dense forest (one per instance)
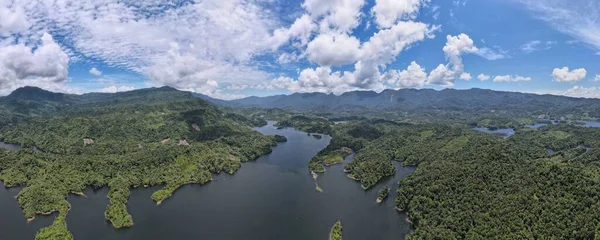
(151, 137)
(540, 183)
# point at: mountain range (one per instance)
(38, 100)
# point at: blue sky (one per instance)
(236, 48)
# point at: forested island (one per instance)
(383, 193)
(336, 231)
(541, 182)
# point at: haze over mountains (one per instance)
(413, 98)
(34, 99)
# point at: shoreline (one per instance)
(159, 202)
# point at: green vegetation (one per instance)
(473, 185)
(146, 137)
(467, 185)
(383, 193)
(307, 124)
(336, 231)
(280, 139)
(328, 158)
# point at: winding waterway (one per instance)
(273, 197)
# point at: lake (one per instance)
(273, 197)
(15, 147)
(536, 126)
(590, 123)
(505, 132)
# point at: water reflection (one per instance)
(273, 197)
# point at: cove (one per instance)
(505, 132)
(273, 197)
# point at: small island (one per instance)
(383, 193)
(336, 231)
(280, 139)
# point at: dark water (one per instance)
(590, 123)
(13, 224)
(10, 146)
(505, 132)
(537, 125)
(15, 147)
(273, 197)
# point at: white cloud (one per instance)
(333, 49)
(597, 78)
(466, 76)
(44, 64)
(483, 77)
(508, 78)
(223, 37)
(184, 70)
(491, 54)
(94, 71)
(383, 48)
(579, 19)
(337, 15)
(321, 79)
(301, 30)
(564, 75)
(446, 75)
(12, 18)
(537, 45)
(114, 89)
(583, 92)
(413, 77)
(388, 12)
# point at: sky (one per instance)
(232, 49)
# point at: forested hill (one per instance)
(148, 137)
(413, 99)
(29, 102)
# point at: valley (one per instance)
(459, 173)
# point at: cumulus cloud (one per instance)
(466, 76)
(583, 92)
(413, 77)
(94, 71)
(336, 15)
(12, 18)
(114, 89)
(183, 70)
(509, 78)
(331, 49)
(43, 64)
(483, 77)
(456, 46)
(300, 30)
(564, 75)
(388, 12)
(213, 36)
(597, 78)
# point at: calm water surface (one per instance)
(273, 197)
(536, 126)
(590, 123)
(505, 132)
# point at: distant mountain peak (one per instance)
(36, 94)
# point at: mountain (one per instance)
(38, 94)
(421, 99)
(221, 102)
(28, 101)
